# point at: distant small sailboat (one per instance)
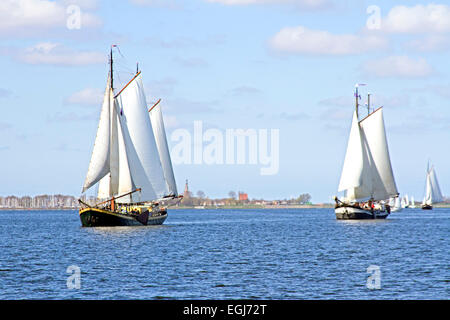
(130, 162)
(367, 178)
(413, 203)
(398, 206)
(433, 192)
(405, 201)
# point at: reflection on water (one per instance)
(123, 230)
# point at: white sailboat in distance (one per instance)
(367, 179)
(433, 192)
(130, 162)
(413, 203)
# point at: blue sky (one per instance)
(251, 64)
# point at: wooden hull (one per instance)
(427, 207)
(96, 217)
(344, 212)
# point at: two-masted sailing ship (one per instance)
(367, 178)
(433, 192)
(130, 161)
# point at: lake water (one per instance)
(227, 254)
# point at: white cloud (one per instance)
(300, 3)
(429, 43)
(417, 19)
(300, 40)
(398, 66)
(34, 16)
(83, 4)
(56, 54)
(171, 4)
(191, 62)
(88, 96)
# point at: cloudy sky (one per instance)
(289, 65)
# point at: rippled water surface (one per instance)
(227, 254)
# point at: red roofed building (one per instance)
(243, 196)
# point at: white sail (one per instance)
(114, 165)
(367, 172)
(413, 204)
(398, 204)
(124, 180)
(428, 193)
(435, 189)
(99, 164)
(104, 187)
(354, 160)
(142, 152)
(406, 201)
(383, 182)
(391, 202)
(433, 192)
(163, 149)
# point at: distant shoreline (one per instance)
(321, 206)
(239, 207)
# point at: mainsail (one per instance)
(367, 171)
(127, 154)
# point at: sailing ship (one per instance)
(405, 203)
(433, 191)
(367, 178)
(397, 206)
(413, 203)
(130, 161)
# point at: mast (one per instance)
(368, 103)
(357, 97)
(111, 67)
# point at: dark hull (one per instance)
(351, 213)
(427, 207)
(94, 217)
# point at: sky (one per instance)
(288, 66)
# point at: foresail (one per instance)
(141, 150)
(99, 164)
(353, 161)
(163, 149)
(374, 133)
(428, 191)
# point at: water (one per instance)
(227, 254)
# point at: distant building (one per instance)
(243, 196)
(187, 193)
